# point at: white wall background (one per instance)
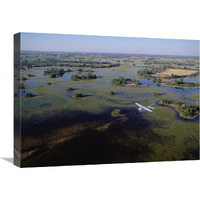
(144, 18)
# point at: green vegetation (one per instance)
(112, 93)
(147, 73)
(137, 83)
(116, 113)
(28, 95)
(165, 101)
(156, 94)
(121, 81)
(78, 95)
(105, 65)
(158, 81)
(70, 89)
(87, 76)
(171, 77)
(80, 70)
(22, 86)
(68, 70)
(31, 75)
(181, 76)
(33, 59)
(181, 83)
(24, 78)
(159, 137)
(54, 72)
(75, 77)
(186, 111)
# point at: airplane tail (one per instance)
(151, 106)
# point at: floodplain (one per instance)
(66, 113)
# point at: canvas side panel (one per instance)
(17, 117)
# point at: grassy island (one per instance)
(87, 76)
(80, 70)
(31, 75)
(24, 78)
(28, 95)
(78, 95)
(162, 75)
(54, 72)
(116, 113)
(185, 111)
(181, 83)
(112, 93)
(156, 94)
(70, 89)
(22, 86)
(121, 81)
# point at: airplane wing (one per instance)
(143, 107)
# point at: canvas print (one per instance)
(96, 100)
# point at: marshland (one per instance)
(79, 108)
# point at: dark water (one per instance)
(126, 140)
(192, 79)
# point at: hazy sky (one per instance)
(81, 43)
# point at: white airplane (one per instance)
(143, 108)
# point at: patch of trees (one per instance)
(81, 70)
(172, 62)
(116, 113)
(121, 81)
(147, 73)
(54, 72)
(28, 95)
(36, 59)
(24, 78)
(188, 110)
(147, 63)
(70, 89)
(68, 70)
(78, 95)
(165, 101)
(184, 109)
(106, 66)
(31, 75)
(181, 83)
(87, 76)
(172, 76)
(136, 82)
(156, 94)
(112, 93)
(22, 86)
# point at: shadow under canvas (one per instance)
(10, 160)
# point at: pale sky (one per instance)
(107, 44)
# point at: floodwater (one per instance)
(97, 136)
(192, 79)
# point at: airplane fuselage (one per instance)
(143, 107)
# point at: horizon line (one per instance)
(109, 53)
